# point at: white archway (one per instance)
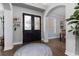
(53, 6)
(55, 17)
(45, 19)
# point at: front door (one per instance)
(31, 28)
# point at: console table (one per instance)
(62, 36)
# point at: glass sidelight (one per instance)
(27, 22)
(36, 23)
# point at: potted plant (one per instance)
(74, 19)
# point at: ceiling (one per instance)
(33, 6)
(42, 7)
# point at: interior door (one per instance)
(31, 27)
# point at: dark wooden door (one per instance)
(31, 28)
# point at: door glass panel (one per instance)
(36, 23)
(27, 22)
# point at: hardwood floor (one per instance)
(58, 48)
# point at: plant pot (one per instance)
(77, 45)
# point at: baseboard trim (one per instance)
(46, 41)
(52, 37)
(17, 43)
(8, 48)
(69, 53)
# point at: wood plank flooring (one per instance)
(57, 46)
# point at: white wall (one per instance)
(1, 24)
(17, 12)
(8, 30)
(8, 26)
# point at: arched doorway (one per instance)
(54, 20)
(57, 16)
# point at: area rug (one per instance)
(34, 49)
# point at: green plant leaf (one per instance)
(72, 17)
(77, 7)
(76, 13)
(70, 31)
(72, 27)
(75, 17)
(72, 22)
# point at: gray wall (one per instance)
(17, 12)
